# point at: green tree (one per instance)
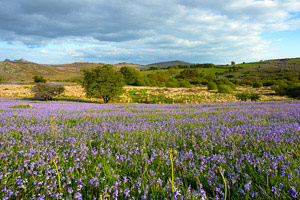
(130, 75)
(103, 82)
(39, 79)
(153, 68)
(189, 74)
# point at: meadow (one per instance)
(152, 95)
(68, 150)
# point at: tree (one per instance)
(130, 75)
(47, 91)
(153, 68)
(232, 63)
(103, 82)
(39, 79)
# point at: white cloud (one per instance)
(43, 51)
(191, 29)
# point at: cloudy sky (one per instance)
(138, 31)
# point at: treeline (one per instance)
(283, 83)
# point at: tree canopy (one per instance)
(103, 82)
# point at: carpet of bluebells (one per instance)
(69, 150)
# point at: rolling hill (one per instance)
(169, 63)
(22, 70)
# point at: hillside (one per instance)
(169, 63)
(22, 70)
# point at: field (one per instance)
(67, 150)
(157, 95)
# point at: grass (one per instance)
(23, 105)
(146, 94)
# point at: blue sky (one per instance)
(143, 32)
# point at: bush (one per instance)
(173, 83)
(292, 90)
(226, 89)
(103, 82)
(230, 84)
(153, 68)
(246, 95)
(247, 82)
(257, 84)
(254, 96)
(183, 83)
(47, 91)
(211, 86)
(131, 75)
(39, 79)
(243, 96)
(269, 82)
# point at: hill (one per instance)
(169, 63)
(22, 70)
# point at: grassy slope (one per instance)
(24, 72)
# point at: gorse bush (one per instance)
(254, 96)
(226, 89)
(257, 84)
(290, 90)
(47, 91)
(39, 79)
(246, 95)
(212, 85)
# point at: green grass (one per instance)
(21, 106)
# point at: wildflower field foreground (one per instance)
(67, 150)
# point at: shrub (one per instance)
(47, 91)
(189, 74)
(254, 96)
(226, 89)
(172, 83)
(23, 105)
(257, 84)
(103, 82)
(246, 95)
(247, 82)
(230, 84)
(243, 96)
(183, 83)
(130, 74)
(159, 76)
(153, 68)
(269, 82)
(211, 85)
(39, 79)
(292, 90)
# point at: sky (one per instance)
(143, 32)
